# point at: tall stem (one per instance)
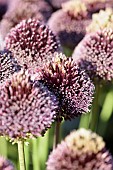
(95, 114)
(56, 134)
(21, 155)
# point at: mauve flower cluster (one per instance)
(31, 42)
(81, 150)
(72, 86)
(5, 164)
(27, 108)
(101, 20)
(95, 54)
(8, 65)
(38, 9)
(70, 23)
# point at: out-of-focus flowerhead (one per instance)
(82, 150)
(95, 54)
(15, 15)
(101, 20)
(8, 65)
(5, 164)
(75, 9)
(72, 86)
(96, 5)
(27, 108)
(31, 42)
(70, 23)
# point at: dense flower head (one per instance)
(5, 164)
(15, 15)
(69, 23)
(31, 41)
(95, 5)
(101, 20)
(82, 150)
(8, 65)
(27, 108)
(72, 86)
(95, 54)
(75, 9)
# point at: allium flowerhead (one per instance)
(8, 65)
(31, 42)
(5, 164)
(95, 5)
(72, 86)
(101, 20)
(38, 9)
(95, 54)
(15, 15)
(27, 108)
(70, 23)
(82, 150)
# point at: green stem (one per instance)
(84, 121)
(3, 149)
(35, 156)
(56, 134)
(94, 114)
(21, 155)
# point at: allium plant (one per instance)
(5, 164)
(82, 150)
(96, 5)
(95, 54)
(101, 20)
(38, 9)
(27, 110)
(31, 42)
(8, 65)
(70, 23)
(72, 86)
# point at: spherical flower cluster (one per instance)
(26, 9)
(95, 5)
(14, 15)
(72, 86)
(82, 150)
(70, 23)
(101, 20)
(57, 4)
(31, 42)
(27, 108)
(8, 65)
(95, 54)
(5, 164)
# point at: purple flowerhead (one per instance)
(82, 150)
(70, 23)
(72, 86)
(31, 42)
(95, 54)
(27, 108)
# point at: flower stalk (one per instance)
(21, 155)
